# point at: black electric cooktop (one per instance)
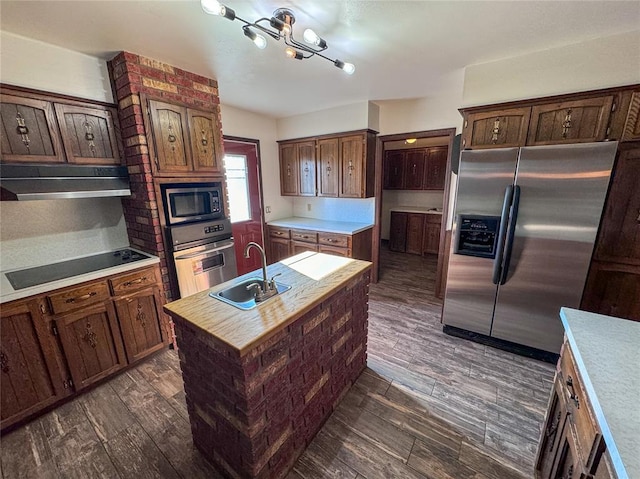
(26, 278)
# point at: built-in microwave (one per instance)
(190, 202)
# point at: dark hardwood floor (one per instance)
(428, 406)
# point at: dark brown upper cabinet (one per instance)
(328, 167)
(498, 128)
(88, 134)
(38, 127)
(415, 169)
(184, 140)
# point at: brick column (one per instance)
(131, 75)
(252, 416)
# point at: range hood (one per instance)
(49, 182)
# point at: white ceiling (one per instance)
(401, 49)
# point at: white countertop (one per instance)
(342, 227)
(7, 293)
(417, 209)
(607, 353)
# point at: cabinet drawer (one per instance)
(126, 283)
(304, 235)
(346, 252)
(79, 297)
(334, 239)
(277, 232)
(577, 406)
(431, 218)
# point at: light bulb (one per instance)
(310, 36)
(212, 7)
(286, 30)
(260, 41)
(292, 53)
(348, 68)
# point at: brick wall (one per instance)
(252, 416)
(131, 75)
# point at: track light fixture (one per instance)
(279, 27)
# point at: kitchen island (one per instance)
(260, 383)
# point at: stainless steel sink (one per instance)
(242, 298)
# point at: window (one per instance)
(235, 167)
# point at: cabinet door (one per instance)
(29, 131)
(352, 167)
(569, 465)
(415, 226)
(619, 238)
(92, 343)
(393, 169)
(328, 167)
(554, 425)
(431, 237)
(88, 134)
(414, 169)
(171, 148)
(307, 164)
(30, 377)
(206, 141)
(279, 249)
(493, 129)
(577, 121)
(632, 123)
(436, 169)
(139, 317)
(612, 289)
(289, 169)
(398, 232)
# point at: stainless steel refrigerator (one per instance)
(525, 224)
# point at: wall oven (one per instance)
(204, 255)
(192, 202)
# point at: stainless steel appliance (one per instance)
(192, 202)
(203, 254)
(525, 224)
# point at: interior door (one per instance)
(242, 169)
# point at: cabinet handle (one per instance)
(140, 316)
(134, 281)
(328, 170)
(566, 124)
(81, 298)
(496, 130)
(572, 392)
(332, 240)
(414, 169)
(89, 336)
(553, 427)
(22, 130)
(279, 233)
(4, 362)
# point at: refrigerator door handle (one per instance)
(504, 217)
(511, 234)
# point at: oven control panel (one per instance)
(214, 229)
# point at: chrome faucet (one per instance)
(268, 287)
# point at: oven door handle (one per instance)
(204, 253)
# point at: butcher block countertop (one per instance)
(313, 277)
(340, 227)
(607, 356)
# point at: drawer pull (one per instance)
(81, 298)
(134, 281)
(279, 233)
(572, 392)
(331, 240)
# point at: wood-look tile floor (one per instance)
(428, 406)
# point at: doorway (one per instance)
(244, 188)
(410, 195)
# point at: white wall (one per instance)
(335, 209)
(37, 232)
(600, 63)
(245, 124)
(33, 64)
(333, 120)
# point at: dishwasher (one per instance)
(204, 255)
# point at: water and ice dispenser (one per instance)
(477, 235)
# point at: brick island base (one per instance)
(252, 416)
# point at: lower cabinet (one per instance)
(414, 233)
(92, 343)
(571, 444)
(30, 377)
(285, 242)
(58, 343)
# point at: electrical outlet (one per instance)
(267, 209)
(308, 206)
